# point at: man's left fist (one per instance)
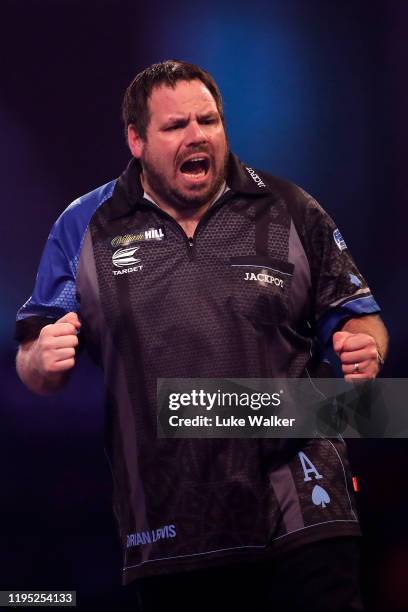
(358, 354)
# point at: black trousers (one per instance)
(318, 577)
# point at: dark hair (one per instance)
(135, 108)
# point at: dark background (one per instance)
(314, 91)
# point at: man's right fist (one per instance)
(54, 349)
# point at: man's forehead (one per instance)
(184, 97)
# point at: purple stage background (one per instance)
(315, 92)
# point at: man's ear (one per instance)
(135, 142)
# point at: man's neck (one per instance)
(187, 218)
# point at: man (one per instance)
(158, 274)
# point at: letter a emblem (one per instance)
(305, 461)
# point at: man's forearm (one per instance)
(30, 375)
(44, 364)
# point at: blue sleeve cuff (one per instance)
(356, 307)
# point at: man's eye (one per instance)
(209, 121)
(176, 126)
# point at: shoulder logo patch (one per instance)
(339, 240)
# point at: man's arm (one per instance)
(44, 364)
(361, 346)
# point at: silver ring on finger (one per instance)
(356, 368)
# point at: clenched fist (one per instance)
(358, 354)
(54, 350)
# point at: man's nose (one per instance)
(195, 133)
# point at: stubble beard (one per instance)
(172, 196)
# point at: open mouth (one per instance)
(197, 167)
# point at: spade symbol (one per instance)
(320, 497)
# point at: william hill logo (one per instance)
(149, 234)
(148, 537)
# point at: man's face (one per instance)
(185, 151)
